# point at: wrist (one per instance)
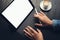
(50, 22)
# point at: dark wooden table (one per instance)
(8, 32)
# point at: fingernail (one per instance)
(37, 29)
(23, 30)
(28, 26)
(40, 11)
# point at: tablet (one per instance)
(17, 12)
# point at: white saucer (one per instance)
(42, 7)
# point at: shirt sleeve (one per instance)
(56, 24)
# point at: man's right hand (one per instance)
(42, 17)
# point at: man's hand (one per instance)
(42, 17)
(32, 34)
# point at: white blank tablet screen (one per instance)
(17, 11)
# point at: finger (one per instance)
(42, 13)
(32, 30)
(27, 33)
(28, 30)
(36, 15)
(39, 31)
(39, 15)
(28, 36)
(38, 24)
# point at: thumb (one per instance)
(38, 24)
